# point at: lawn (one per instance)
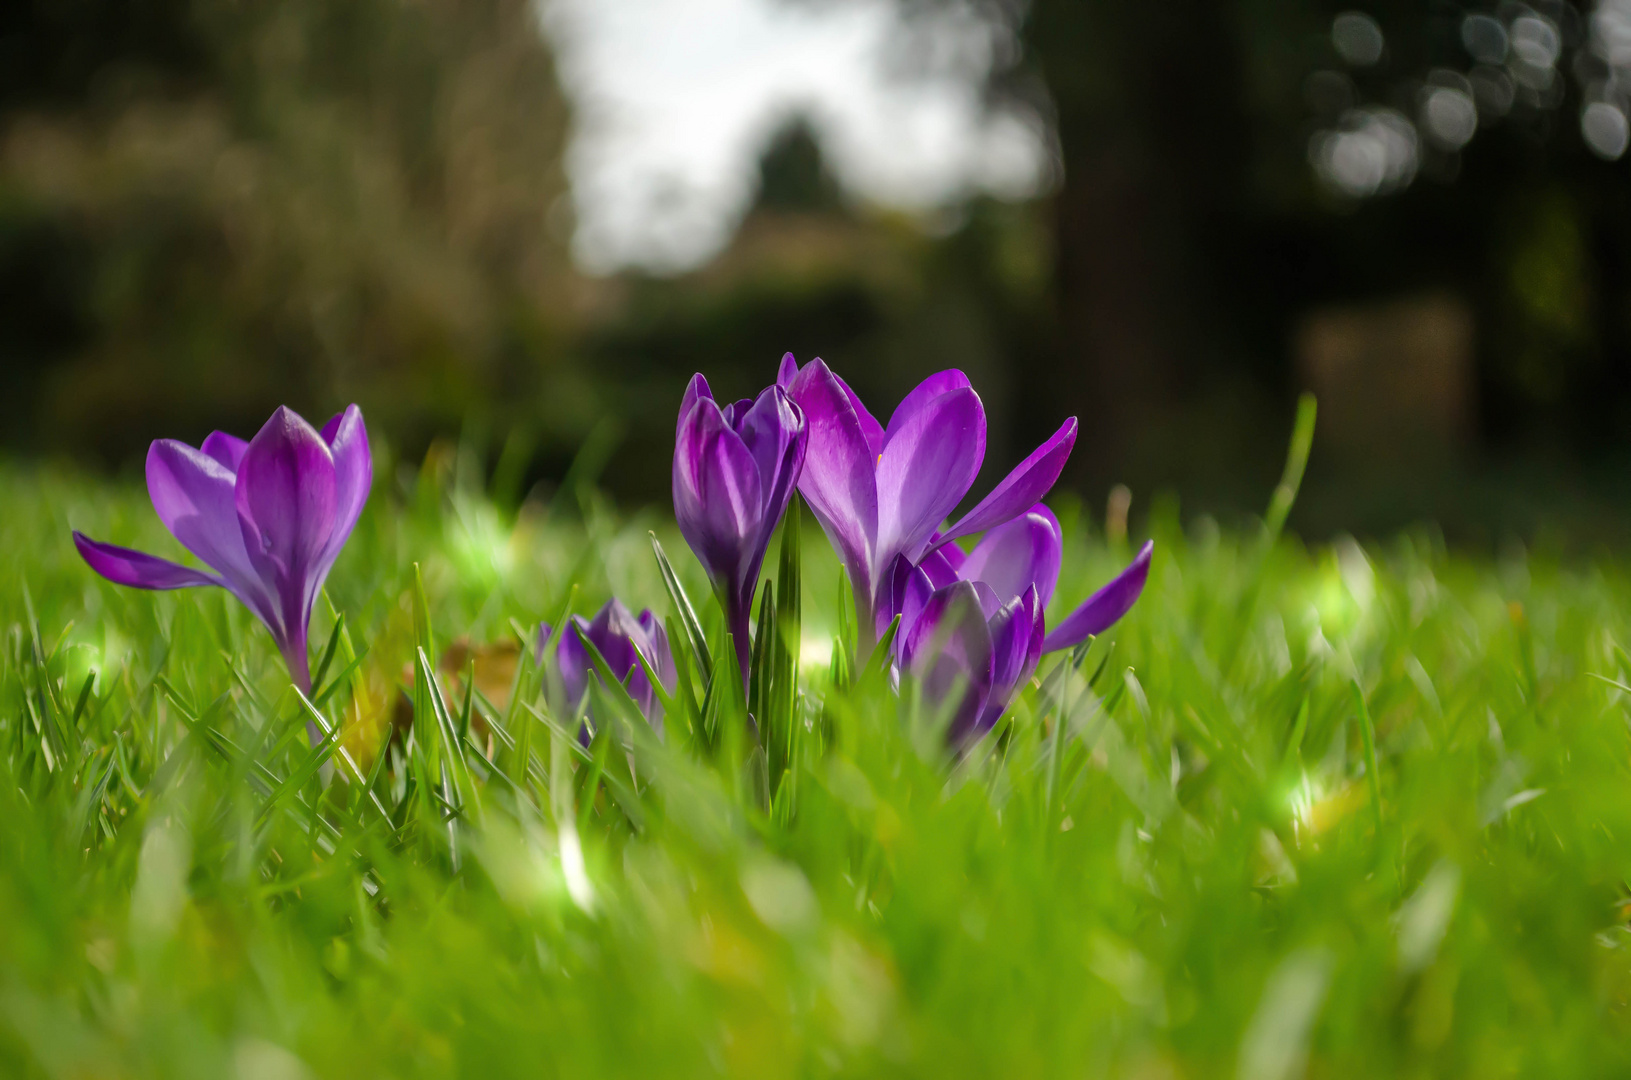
(1331, 810)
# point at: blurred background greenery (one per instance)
(209, 207)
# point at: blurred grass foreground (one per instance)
(1323, 811)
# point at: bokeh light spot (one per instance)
(1535, 41)
(1484, 39)
(1603, 127)
(1358, 38)
(1450, 116)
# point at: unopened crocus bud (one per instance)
(735, 470)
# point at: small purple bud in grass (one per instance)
(735, 469)
(619, 635)
(882, 492)
(268, 517)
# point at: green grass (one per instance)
(1322, 811)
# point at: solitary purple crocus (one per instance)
(619, 635)
(881, 493)
(985, 610)
(268, 516)
(735, 469)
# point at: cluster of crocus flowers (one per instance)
(883, 493)
(623, 640)
(734, 473)
(269, 518)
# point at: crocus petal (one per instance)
(1013, 557)
(612, 630)
(943, 382)
(838, 475)
(285, 494)
(990, 602)
(651, 642)
(540, 641)
(787, 371)
(122, 566)
(770, 429)
(1101, 610)
(572, 660)
(1016, 645)
(196, 498)
(766, 426)
(347, 439)
(909, 591)
(654, 646)
(1029, 481)
(949, 649)
(227, 449)
(734, 412)
(695, 389)
(621, 639)
(871, 430)
(718, 499)
(925, 470)
(942, 565)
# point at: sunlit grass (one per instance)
(1213, 890)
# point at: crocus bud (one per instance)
(619, 636)
(269, 518)
(735, 469)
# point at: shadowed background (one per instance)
(1166, 218)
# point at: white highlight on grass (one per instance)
(1308, 794)
(1425, 917)
(257, 1059)
(1275, 1046)
(815, 651)
(574, 870)
(780, 895)
(161, 881)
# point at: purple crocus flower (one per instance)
(619, 635)
(1009, 577)
(881, 492)
(268, 517)
(735, 469)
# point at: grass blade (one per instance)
(683, 609)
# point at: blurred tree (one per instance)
(793, 173)
(1226, 166)
(308, 201)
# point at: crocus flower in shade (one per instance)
(618, 635)
(735, 469)
(881, 493)
(268, 517)
(1011, 572)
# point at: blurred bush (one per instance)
(208, 207)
